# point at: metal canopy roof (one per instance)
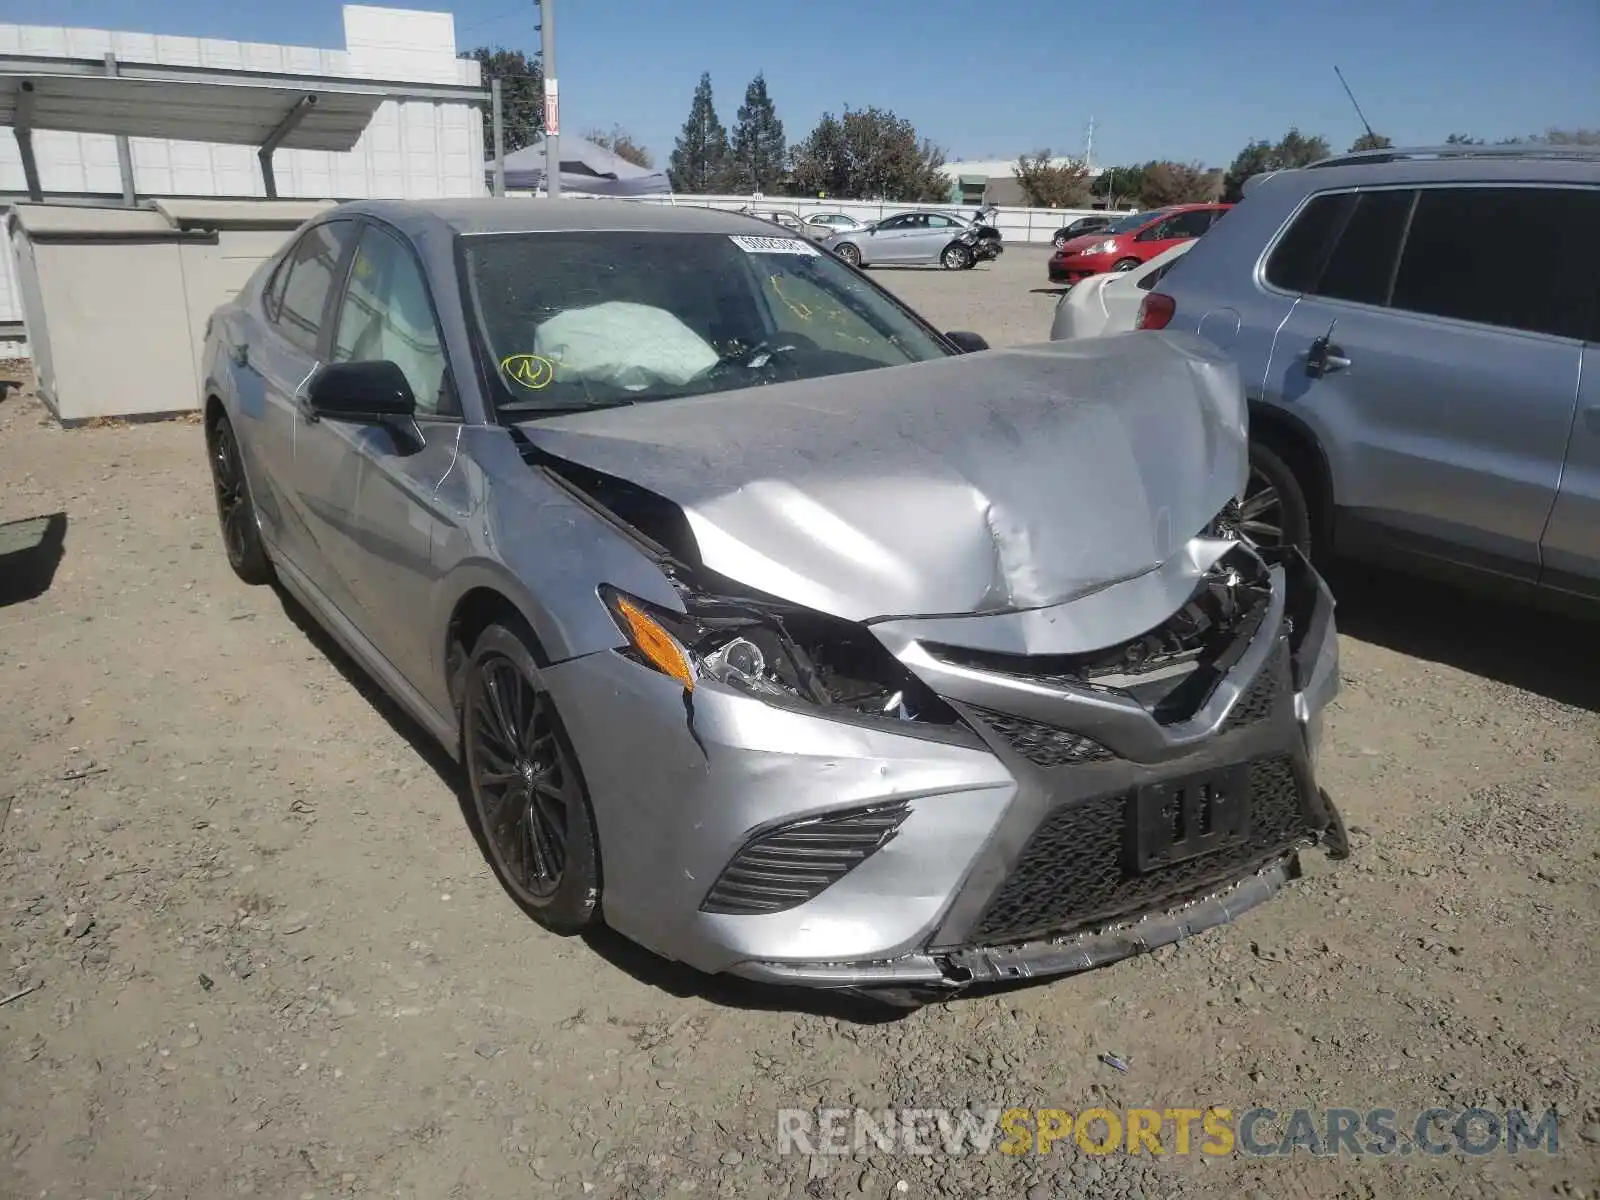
(197, 104)
(233, 113)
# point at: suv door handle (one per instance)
(1324, 358)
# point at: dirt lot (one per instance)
(270, 959)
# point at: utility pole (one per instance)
(1088, 147)
(496, 104)
(552, 100)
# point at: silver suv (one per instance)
(1419, 334)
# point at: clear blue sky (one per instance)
(1179, 79)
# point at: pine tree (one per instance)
(759, 148)
(699, 162)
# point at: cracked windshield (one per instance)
(593, 320)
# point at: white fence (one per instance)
(1015, 224)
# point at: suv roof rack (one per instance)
(1465, 150)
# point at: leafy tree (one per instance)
(1370, 141)
(869, 154)
(621, 143)
(1294, 149)
(699, 161)
(1119, 185)
(521, 97)
(1163, 183)
(1046, 184)
(760, 151)
(1462, 139)
(820, 165)
(1568, 137)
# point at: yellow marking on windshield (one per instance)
(532, 371)
(833, 316)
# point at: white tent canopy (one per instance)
(585, 167)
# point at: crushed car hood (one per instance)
(994, 482)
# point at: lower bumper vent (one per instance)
(1075, 870)
(784, 867)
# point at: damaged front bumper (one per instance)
(936, 858)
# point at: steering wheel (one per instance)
(753, 358)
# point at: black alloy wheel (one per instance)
(530, 802)
(236, 513)
(1273, 511)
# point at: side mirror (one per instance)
(371, 393)
(967, 343)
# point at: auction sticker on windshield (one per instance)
(774, 245)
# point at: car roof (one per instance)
(486, 215)
(1434, 166)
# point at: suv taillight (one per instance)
(1155, 311)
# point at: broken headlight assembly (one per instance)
(781, 653)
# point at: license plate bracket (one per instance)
(1179, 819)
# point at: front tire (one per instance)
(849, 255)
(1274, 511)
(1124, 264)
(236, 511)
(956, 258)
(1061, 240)
(529, 800)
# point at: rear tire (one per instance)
(236, 511)
(1125, 264)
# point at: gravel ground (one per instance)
(270, 960)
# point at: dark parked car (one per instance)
(1080, 227)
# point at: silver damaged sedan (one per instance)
(783, 633)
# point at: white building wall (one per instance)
(412, 149)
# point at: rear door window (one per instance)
(1516, 257)
(309, 274)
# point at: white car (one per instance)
(1109, 303)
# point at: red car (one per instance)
(1132, 240)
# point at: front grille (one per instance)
(790, 864)
(1044, 745)
(1261, 698)
(1075, 870)
(1172, 669)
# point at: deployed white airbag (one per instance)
(631, 346)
